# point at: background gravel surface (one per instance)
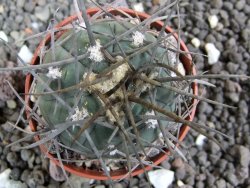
(208, 165)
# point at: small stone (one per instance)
(1, 9)
(234, 97)
(228, 6)
(213, 21)
(100, 186)
(217, 4)
(26, 154)
(29, 6)
(15, 174)
(56, 172)
(196, 42)
(41, 2)
(20, 3)
(177, 163)
(231, 178)
(213, 53)
(42, 13)
(138, 7)
(240, 4)
(8, 183)
(242, 173)
(12, 158)
(199, 184)
(11, 104)
(25, 54)
(214, 148)
(180, 173)
(202, 158)
(221, 183)
(15, 35)
(3, 166)
(244, 154)
(3, 36)
(161, 178)
(118, 185)
(77, 181)
(19, 18)
(180, 183)
(200, 140)
(232, 67)
(245, 34)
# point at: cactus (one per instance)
(89, 104)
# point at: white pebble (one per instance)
(3, 36)
(213, 21)
(180, 183)
(196, 42)
(200, 140)
(35, 25)
(11, 104)
(180, 68)
(1, 9)
(213, 53)
(138, 7)
(6, 182)
(161, 178)
(25, 54)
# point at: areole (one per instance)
(118, 174)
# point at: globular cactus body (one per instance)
(77, 42)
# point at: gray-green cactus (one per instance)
(85, 101)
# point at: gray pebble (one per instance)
(20, 3)
(231, 178)
(240, 4)
(118, 185)
(26, 154)
(232, 67)
(29, 6)
(217, 3)
(180, 173)
(199, 184)
(243, 153)
(190, 180)
(19, 18)
(41, 2)
(3, 165)
(202, 158)
(245, 34)
(15, 174)
(234, 97)
(178, 163)
(210, 179)
(228, 6)
(12, 158)
(221, 183)
(42, 13)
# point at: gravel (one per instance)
(207, 165)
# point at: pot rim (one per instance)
(121, 173)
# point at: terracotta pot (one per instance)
(118, 174)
